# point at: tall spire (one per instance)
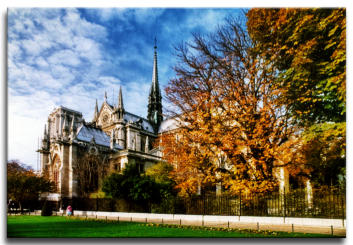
(120, 109)
(45, 139)
(95, 116)
(45, 130)
(155, 99)
(120, 99)
(105, 96)
(155, 85)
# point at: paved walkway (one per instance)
(330, 230)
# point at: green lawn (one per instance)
(56, 226)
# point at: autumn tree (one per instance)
(308, 49)
(189, 170)
(233, 124)
(23, 185)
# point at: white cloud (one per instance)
(140, 15)
(14, 51)
(143, 14)
(31, 47)
(88, 49)
(209, 18)
(108, 82)
(136, 97)
(54, 58)
(41, 62)
(64, 57)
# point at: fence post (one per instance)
(203, 203)
(331, 199)
(239, 205)
(342, 207)
(284, 205)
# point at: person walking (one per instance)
(69, 210)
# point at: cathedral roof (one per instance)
(65, 109)
(87, 133)
(134, 118)
(168, 125)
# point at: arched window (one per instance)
(56, 173)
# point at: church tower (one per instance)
(154, 114)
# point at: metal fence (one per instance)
(322, 204)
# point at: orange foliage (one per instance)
(308, 48)
(234, 128)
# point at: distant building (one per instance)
(120, 136)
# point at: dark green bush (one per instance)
(47, 209)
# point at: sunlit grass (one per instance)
(56, 226)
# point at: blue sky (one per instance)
(71, 56)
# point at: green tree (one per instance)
(160, 172)
(308, 49)
(23, 185)
(324, 151)
(132, 186)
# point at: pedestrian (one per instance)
(69, 210)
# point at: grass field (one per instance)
(56, 226)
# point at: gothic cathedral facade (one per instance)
(118, 136)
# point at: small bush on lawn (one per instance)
(47, 209)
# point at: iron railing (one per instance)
(325, 204)
(297, 203)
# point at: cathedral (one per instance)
(121, 137)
